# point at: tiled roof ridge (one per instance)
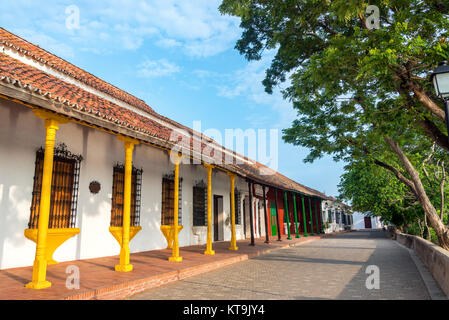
(49, 95)
(318, 193)
(59, 64)
(87, 102)
(141, 103)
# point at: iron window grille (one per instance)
(237, 205)
(118, 192)
(168, 196)
(199, 204)
(64, 188)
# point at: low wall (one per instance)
(435, 258)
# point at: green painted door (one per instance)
(274, 228)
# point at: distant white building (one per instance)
(363, 220)
(337, 216)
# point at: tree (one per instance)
(370, 188)
(360, 93)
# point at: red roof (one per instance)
(40, 55)
(39, 82)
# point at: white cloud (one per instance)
(247, 83)
(168, 43)
(194, 26)
(157, 68)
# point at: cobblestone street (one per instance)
(330, 268)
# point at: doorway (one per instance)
(368, 223)
(218, 218)
(274, 231)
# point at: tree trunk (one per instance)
(427, 102)
(441, 230)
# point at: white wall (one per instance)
(22, 133)
(359, 221)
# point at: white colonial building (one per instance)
(365, 220)
(88, 170)
(337, 215)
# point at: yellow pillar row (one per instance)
(52, 122)
(209, 250)
(124, 265)
(233, 238)
(175, 250)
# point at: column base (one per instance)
(209, 252)
(289, 238)
(175, 259)
(124, 267)
(267, 241)
(38, 285)
(297, 236)
(234, 248)
(306, 235)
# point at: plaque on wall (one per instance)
(94, 187)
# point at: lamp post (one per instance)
(440, 79)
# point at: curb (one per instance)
(433, 289)
(127, 289)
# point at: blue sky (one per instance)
(179, 57)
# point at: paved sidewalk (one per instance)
(332, 268)
(98, 280)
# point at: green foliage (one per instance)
(373, 189)
(370, 188)
(344, 79)
(352, 87)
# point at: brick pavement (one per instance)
(332, 268)
(98, 280)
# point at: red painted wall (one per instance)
(291, 213)
(280, 203)
(315, 206)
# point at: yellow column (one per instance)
(124, 265)
(209, 250)
(175, 253)
(52, 122)
(233, 238)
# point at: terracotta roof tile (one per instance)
(40, 55)
(35, 80)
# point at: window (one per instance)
(237, 206)
(118, 190)
(199, 204)
(64, 188)
(168, 196)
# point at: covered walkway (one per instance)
(98, 280)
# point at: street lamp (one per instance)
(440, 78)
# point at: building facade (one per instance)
(87, 171)
(365, 220)
(337, 216)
